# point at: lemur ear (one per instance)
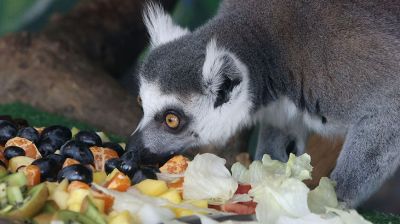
(222, 72)
(160, 26)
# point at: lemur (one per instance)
(295, 67)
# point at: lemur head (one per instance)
(193, 91)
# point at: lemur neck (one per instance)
(247, 40)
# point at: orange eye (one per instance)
(172, 120)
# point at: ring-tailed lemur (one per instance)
(331, 67)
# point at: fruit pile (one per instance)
(49, 174)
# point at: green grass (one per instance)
(39, 118)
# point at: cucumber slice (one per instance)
(14, 195)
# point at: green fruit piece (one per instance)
(3, 171)
(6, 209)
(103, 136)
(50, 207)
(14, 195)
(34, 202)
(74, 131)
(43, 218)
(71, 217)
(15, 179)
(91, 211)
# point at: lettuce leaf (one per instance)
(323, 196)
(280, 197)
(206, 177)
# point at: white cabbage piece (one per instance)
(323, 196)
(151, 214)
(257, 173)
(349, 217)
(299, 167)
(207, 178)
(280, 197)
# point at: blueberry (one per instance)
(59, 159)
(7, 131)
(48, 146)
(111, 164)
(57, 132)
(78, 151)
(88, 137)
(48, 169)
(77, 172)
(114, 146)
(144, 173)
(129, 163)
(13, 151)
(20, 123)
(29, 133)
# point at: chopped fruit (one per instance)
(99, 177)
(32, 173)
(69, 162)
(119, 182)
(246, 208)
(181, 212)
(101, 155)
(121, 218)
(28, 146)
(176, 165)
(108, 200)
(152, 187)
(77, 185)
(76, 198)
(2, 158)
(60, 198)
(199, 203)
(103, 136)
(243, 189)
(172, 196)
(176, 184)
(18, 162)
(37, 197)
(90, 210)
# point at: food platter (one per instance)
(55, 173)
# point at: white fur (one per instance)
(216, 125)
(160, 26)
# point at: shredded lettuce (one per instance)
(207, 178)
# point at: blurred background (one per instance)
(75, 60)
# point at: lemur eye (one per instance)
(172, 120)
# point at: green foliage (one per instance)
(39, 118)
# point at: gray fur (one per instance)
(337, 60)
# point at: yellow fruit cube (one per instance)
(99, 177)
(121, 218)
(99, 203)
(181, 212)
(172, 196)
(199, 203)
(60, 198)
(152, 187)
(76, 198)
